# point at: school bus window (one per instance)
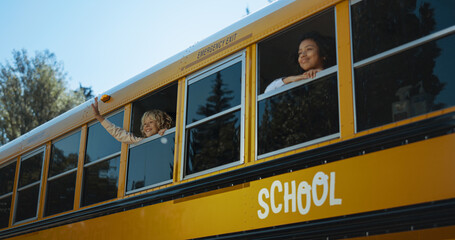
(5, 208)
(7, 173)
(405, 21)
(411, 79)
(164, 99)
(302, 114)
(215, 93)
(279, 55)
(151, 161)
(102, 159)
(99, 142)
(213, 117)
(7, 178)
(28, 189)
(298, 86)
(62, 174)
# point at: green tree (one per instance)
(87, 92)
(217, 142)
(378, 26)
(33, 91)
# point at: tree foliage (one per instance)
(33, 91)
(382, 25)
(302, 114)
(217, 142)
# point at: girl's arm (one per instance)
(118, 133)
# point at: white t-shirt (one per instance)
(274, 85)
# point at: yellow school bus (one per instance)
(360, 146)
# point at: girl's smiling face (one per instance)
(309, 57)
(149, 127)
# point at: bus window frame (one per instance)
(8, 163)
(94, 123)
(287, 87)
(105, 158)
(62, 174)
(9, 213)
(9, 194)
(384, 55)
(324, 73)
(134, 118)
(24, 157)
(199, 75)
(144, 141)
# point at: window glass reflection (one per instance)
(5, 207)
(215, 93)
(99, 142)
(101, 181)
(27, 203)
(30, 169)
(214, 143)
(7, 178)
(151, 163)
(378, 26)
(64, 154)
(60, 194)
(299, 115)
(411, 83)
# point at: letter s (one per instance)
(264, 205)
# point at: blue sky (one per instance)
(105, 42)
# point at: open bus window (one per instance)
(278, 55)
(164, 99)
(305, 111)
(396, 81)
(7, 173)
(151, 162)
(102, 161)
(61, 181)
(213, 117)
(29, 185)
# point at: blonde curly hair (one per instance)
(163, 120)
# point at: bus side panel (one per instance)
(409, 174)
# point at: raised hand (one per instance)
(96, 111)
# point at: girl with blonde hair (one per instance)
(152, 122)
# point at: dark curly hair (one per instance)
(326, 47)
